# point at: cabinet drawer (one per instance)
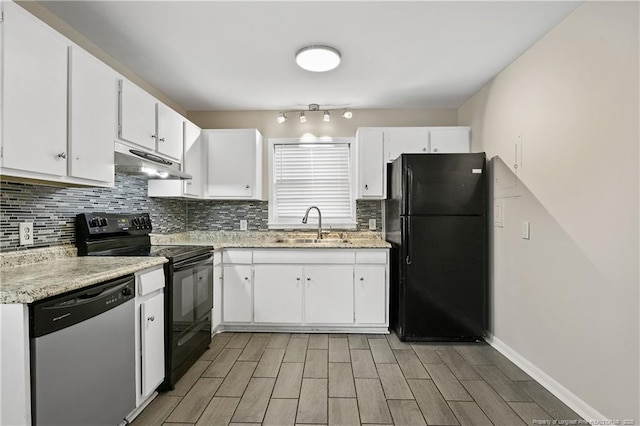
(304, 255)
(237, 256)
(371, 256)
(151, 281)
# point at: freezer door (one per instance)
(444, 184)
(444, 287)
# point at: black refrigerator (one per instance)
(436, 220)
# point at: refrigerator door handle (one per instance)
(409, 187)
(407, 223)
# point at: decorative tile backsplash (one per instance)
(53, 210)
(225, 215)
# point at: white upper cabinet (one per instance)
(93, 109)
(193, 164)
(170, 132)
(234, 166)
(137, 116)
(193, 160)
(405, 140)
(60, 106)
(34, 95)
(371, 164)
(378, 146)
(449, 139)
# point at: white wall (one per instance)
(567, 300)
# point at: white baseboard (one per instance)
(574, 402)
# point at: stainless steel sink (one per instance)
(311, 241)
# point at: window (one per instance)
(304, 174)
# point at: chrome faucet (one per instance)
(306, 217)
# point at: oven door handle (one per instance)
(192, 262)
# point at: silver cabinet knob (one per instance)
(298, 279)
(435, 149)
(161, 139)
(246, 278)
(308, 279)
(361, 278)
(62, 155)
(366, 187)
(424, 149)
(154, 136)
(151, 318)
(247, 186)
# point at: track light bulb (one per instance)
(347, 114)
(327, 117)
(282, 118)
(303, 118)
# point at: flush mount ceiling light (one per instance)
(318, 58)
(282, 116)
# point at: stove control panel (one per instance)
(113, 223)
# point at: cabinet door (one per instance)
(370, 294)
(236, 294)
(449, 140)
(193, 159)
(277, 293)
(329, 294)
(232, 164)
(152, 336)
(170, 132)
(371, 164)
(137, 115)
(34, 94)
(93, 120)
(405, 140)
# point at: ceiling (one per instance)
(239, 55)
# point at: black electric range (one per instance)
(188, 281)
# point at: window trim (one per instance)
(351, 224)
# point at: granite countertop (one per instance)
(249, 239)
(32, 282)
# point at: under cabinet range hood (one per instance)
(131, 161)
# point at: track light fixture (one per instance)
(326, 116)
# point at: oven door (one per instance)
(192, 301)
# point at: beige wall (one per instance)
(265, 121)
(35, 8)
(567, 300)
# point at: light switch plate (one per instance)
(243, 225)
(526, 231)
(498, 214)
(26, 233)
(372, 225)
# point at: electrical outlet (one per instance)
(26, 233)
(526, 231)
(243, 225)
(372, 225)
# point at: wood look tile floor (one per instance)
(355, 379)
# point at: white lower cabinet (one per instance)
(216, 314)
(149, 333)
(277, 294)
(237, 293)
(305, 289)
(152, 342)
(370, 294)
(329, 294)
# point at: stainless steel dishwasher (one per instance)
(83, 356)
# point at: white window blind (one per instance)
(307, 175)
